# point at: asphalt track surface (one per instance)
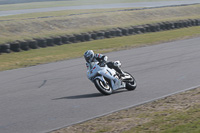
(105, 6)
(50, 96)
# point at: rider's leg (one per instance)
(115, 66)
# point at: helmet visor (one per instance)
(89, 58)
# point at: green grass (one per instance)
(185, 121)
(68, 51)
(21, 29)
(66, 3)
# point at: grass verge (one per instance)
(20, 29)
(68, 51)
(178, 113)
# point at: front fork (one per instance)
(101, 78)
(109, 76)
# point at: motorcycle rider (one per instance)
(90, 57)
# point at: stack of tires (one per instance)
(35, 43)
(5, 48)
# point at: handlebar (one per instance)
(102, 63)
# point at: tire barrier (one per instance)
(197, 22)
(118, 32)
(72, 39)
(87, 37)
(113, 33)
(18, 46)
(94, 36)
(41, 42)
(50, 42)
(15, 47)
(100, 35)
(107, 34)
(5, 48)
(130, 31)
(64, 39)
(124, 31)
(153, 27)
(136, 29)
(57, 40)
(79, 37)
(32, 44)
(23, 45)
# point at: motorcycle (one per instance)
(108, 80)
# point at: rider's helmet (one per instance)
(89, 55)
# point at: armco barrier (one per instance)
(18, 46)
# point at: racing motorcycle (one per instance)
(108, 80)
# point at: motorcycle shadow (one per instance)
(81, 96)
(93, 95)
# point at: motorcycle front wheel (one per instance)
(105, 89)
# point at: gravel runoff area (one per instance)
(137, 116)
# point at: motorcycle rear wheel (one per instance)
(131, 85)
(105, 89)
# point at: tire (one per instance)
(5, 48)
(15, 47)
(24, 45)
(105, 90)
(50, 42)
(131, 85)
(33, 44)
(41, 43)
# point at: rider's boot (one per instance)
(121, 73)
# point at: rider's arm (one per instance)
(89, 73)
(88, 70)
(101, 57)
(88, 66)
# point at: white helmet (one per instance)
(89, 55)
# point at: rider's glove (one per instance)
(102, 64)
